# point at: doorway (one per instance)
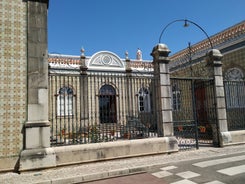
(107, 104)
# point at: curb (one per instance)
(98, 176)
(114, 168)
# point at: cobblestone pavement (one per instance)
(99, 170)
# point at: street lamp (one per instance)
(186, 21)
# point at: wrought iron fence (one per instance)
(101, 107)
(235, 104)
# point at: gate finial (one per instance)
(214, 57)
(160, 51)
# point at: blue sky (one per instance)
(125, 25)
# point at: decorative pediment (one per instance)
(105, 59)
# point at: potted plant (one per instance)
(180, 128)
(126, 135)
(202, 129)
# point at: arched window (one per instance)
(144, 100)
(107, 104)
(234, 88)
(65, 102)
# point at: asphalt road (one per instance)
(227, 169)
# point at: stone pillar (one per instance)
(220, 134)
(163, 90)
(83, 90)
(129, 92)
(37, 152)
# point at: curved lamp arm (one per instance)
(186, 21)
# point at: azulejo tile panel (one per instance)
(13, 75)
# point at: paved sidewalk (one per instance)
(99, 170)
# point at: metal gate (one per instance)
(194, 114)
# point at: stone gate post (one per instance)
(220, 132)
(163, 90)
(36, 151)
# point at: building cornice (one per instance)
(66, 61)
(228, 36)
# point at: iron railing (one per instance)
(235, 104)
(101, 107)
